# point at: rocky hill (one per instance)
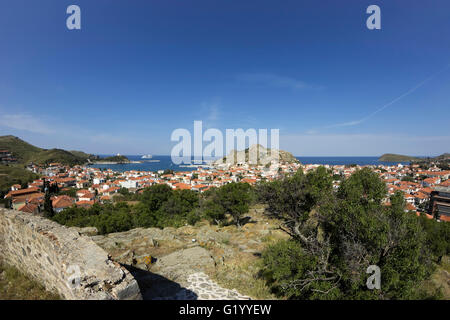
(257, 154)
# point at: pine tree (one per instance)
(48, 206)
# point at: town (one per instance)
(425, 191)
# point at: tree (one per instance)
(156, 195)
(48, 206)
(293, 198)
(175, 210)
(336, 236)
(409, 179)
(437, 237)
(71, 192)
(212, 210)
(235, 199)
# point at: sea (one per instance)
(163, 162)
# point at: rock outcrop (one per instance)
(184, 259)
(257, 155)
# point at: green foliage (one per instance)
(14, 174)
(437, 237)
(213, 210)
(159, 206)
(286, 265)
(390, 157)
(409, 179)
(64, 157)
(117, 158)
(293, 198)
(71, 192)
(336, 236)
(48, 206)
(176, 209)
(156, 195)
(19, 148)
(232, 199)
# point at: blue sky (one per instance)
(137, 70)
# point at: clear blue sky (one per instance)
(139, 69)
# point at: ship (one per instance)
(146, 156)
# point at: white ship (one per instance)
(146, 156)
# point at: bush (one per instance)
(232, 199)
(337, 235)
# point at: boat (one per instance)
(146, 156)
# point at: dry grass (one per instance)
(440, 280)
(16, 286)
(244, 278)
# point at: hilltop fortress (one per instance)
(63, 260)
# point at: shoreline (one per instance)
(114, 162)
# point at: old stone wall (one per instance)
(62, 259)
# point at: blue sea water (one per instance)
(362, 161)
(165, 162)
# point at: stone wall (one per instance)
(62, 259)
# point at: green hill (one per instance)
(390, 157)
(26, 153)
(20, 149)
(14, 174)
(57, 155)
(118, 159)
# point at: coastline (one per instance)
(114, 162)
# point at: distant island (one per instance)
(117, 159)
(390, 157)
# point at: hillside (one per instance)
(21, 150)
(390, 157)
(26, 153)
(14, 174)
(257, 151)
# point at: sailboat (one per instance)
(146, 156)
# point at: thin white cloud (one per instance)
(51, 132)
(213, 112)
(25, 122)
(407, 93)
(272, 80)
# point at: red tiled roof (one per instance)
(28, 208)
